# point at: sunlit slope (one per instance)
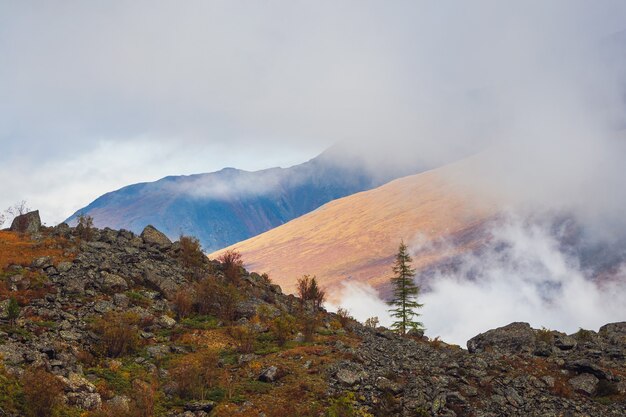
(355, 238)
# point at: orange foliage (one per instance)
(20, 250)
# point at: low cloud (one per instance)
(525, 271)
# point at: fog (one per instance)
(122, 91)
(523, 272)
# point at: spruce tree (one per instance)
(405, 292)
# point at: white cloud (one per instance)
(522, 274)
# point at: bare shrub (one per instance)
(183, 302)
(244, 337)
(216, 299)
(195, 374)
(344, 317)
(309, 290)
(42, 392)
(85, 227)
(371, 322)
(118, 333)
(232, 262)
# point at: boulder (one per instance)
(27, 223)
(153, 237)
(513, 338)
(196, 406)
(348, 377)
(271, 374)
(585, 384)
(112, 282)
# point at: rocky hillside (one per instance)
(109, 323)
(231, 205)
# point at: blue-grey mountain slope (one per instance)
(231, 205)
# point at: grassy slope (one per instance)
(356, 237)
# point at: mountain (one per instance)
(106, 323)
(231, 205)
(356, 237)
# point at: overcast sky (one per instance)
(98, 95)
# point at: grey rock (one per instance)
(42, 262)
(513, 338)
(348, 377)
(195, 406)
(565, 342)
(112, 282)
(152, 236)
(585, 384)
(271, 374)
(27, 223)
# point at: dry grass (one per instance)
(358, 235)
(20, 250)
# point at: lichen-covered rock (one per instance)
(513, 338)
(27, 223)
(154, 237)
(585, 383)
(271, 374)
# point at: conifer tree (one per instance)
(405, 292)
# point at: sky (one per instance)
(98, 95)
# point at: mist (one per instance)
(526, 270)
(203, 85)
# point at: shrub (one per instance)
(283, 328)
(244, 337)
(183, 303)
(308, 290)
(85, 227)
(195, 374)
(232, 262)
(309, 321)
(11, 393)
(583, 335)
(118, 333)
(344, 407)
(544, 335)
(216, 299)
(344, 317)
(42, 392)
(371, 322)
(13, 311)
(191, 256)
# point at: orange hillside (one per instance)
(19, 249)
(356, 237)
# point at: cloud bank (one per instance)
(523, 272)
(84, 86)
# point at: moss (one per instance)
(200, 322)
(114, 379)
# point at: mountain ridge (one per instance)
(231, 205)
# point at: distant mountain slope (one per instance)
(231, 205)
(356, 237)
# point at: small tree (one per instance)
(191, 257)
(13, 311)
(405, 293)
(308, 290)
(84, 226)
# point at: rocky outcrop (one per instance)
(151, 236)
(27, 223)
(513, 338)
(514, 370)
(500, 375)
